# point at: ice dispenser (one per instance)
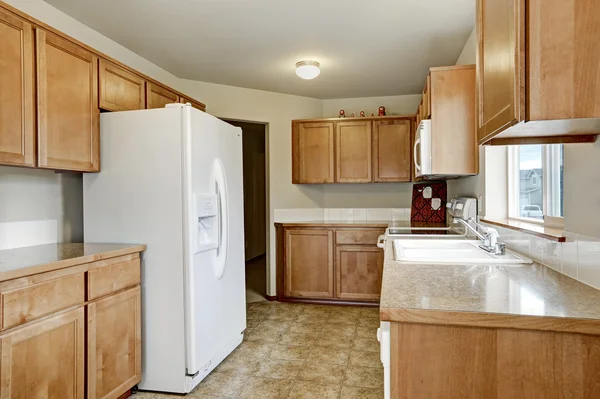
(207, 233)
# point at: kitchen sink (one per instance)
(451, 252)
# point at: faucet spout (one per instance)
(489, 237)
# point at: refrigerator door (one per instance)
(214, 251)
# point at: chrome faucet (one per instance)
(489, 237)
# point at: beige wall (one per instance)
(469, 52)
(394, 105)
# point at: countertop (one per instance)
(20, 262)
(362, 223)
(525, 297)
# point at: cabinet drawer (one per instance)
(367, 237)
(34, 301)
(118, 274)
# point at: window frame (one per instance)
(550, 185)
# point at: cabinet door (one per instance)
(114, 344)
(353, 152)
(17, 131)
(68, 114)
(312, 152)
(309, 263)
(45, 359)
(120, 90)
(193, 103)
(499, 69)
(158, 96)
(358, 272)
(392, 150)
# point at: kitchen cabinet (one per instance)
(328, 263)
(120, 90)
(67, 103)
(56, 319)
(193, 103)
(309, 263)
(114, 355)
(449, 103)
(353, 152)
(535, 73)
(358, 272)
(17, 107)
(313, 152)
(392, 150)
(45, 359)
(158, 96)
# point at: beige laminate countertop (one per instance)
(524, 297)
(20, 262)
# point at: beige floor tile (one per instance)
(366, 344)
(238, 363)
(361, 393)
(299, 327)
(298, 339)
(275, 325)
(338, 329)
(312, 390)
(343, 319)
(221, 384)
(253, 323)
(266, 388)
(316, 318)
(256, 349)
(365, 359)
(289, 352)
(286, 369)
(323, 373)
(261, 334)
(364, 377)
(329, 355)
(368, 322)
(366, 332)
(334, 340)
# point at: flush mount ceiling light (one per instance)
(307, 69)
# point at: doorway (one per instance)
(255, 208)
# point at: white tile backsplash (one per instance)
(588, 250)
(578, 257)
(298, 215)
(379, 214)
(360, 215)
(341, 214)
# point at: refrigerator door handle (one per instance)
(221, 191)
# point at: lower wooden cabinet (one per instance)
(45, 359)
(43, 350)
(114, 354)
(312, 265)
(309, 263)
(358, 271)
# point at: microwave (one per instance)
(422, 149)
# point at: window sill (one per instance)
(549, 233)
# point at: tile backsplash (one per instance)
(578, 257)
(342, 214)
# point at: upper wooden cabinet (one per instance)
(17, 131)
(312, 152)
(68, 114)
(309, 263)
(120, 90)
(158, 96)
(195, 104)
(353, 152)
(540, 68)
(392, 145)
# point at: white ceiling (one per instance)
(366, 48)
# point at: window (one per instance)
(536, 183)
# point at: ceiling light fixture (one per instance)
(307, 69)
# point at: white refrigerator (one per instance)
(171, 178)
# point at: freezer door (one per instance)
(214, 278)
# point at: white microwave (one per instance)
(422, 149)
